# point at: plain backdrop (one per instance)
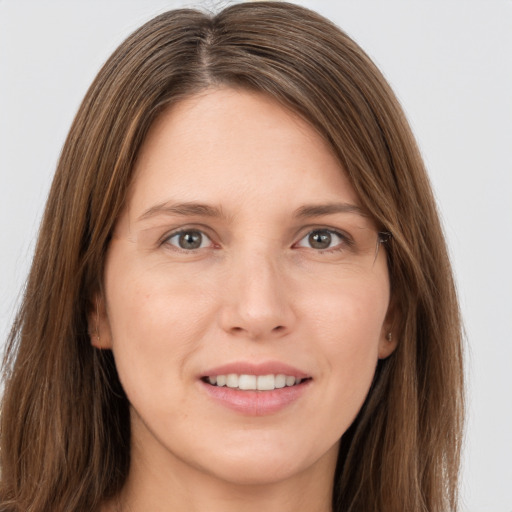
(450, 64)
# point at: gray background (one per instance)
(451, 66)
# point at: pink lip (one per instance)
(247, 368)
(255, 403)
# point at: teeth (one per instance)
(247, 381)
(280, 381)
(266, 382)
(232, 380)
(254, 382)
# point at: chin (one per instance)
(256, 473)
(271, 465)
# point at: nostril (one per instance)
(278, 328)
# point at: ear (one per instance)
(389, 334)
(98, 324)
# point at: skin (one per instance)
(256, 290)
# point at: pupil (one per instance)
(320, 239)
(190, 240)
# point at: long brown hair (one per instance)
(65, 435)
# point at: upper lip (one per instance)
(250, 368)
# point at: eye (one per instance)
(322, 239)
(189, 240)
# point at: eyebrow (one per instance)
(318, 210)
(205, 210)
(182, 209)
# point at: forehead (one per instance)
(236, 148)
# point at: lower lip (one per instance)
(256, 403)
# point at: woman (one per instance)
(241, 296)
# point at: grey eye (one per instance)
(189, 240)
(321, 239)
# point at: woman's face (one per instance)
(243, 257)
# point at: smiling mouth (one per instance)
(246, 382)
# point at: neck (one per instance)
(167, 484)
(212, 496)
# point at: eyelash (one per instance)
(344, 243)
(182, 232)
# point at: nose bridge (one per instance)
(258, 302)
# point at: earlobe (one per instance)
(389, 335)
(387, 344)
(98, 324)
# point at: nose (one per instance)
(257, 303)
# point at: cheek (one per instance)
(155, 324)
(352, 313)
(152, 300)
(351, 320)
